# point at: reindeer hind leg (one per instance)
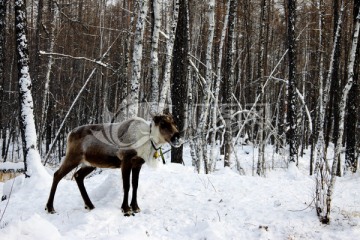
(79, 177)
(64, 169)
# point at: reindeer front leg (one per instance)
(126, 170)
(137, 162)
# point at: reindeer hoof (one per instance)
(128, 212)
(50, 210)
(91, 207)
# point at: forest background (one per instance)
(266, 72)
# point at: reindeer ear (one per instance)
(156, 119)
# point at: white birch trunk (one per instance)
(342, 108)
(137, 58)
(324, 92)
(169, 50)
(321, 168)
(154, 93)
(50, 63)
(106, 115)
(213, 148)
(260, 169)
(190, 124)
(229, 82)
(201, 130)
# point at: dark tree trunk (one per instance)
(49, 126)
(3, 4)
(179, 74)
(292, 100)
(351, 136)
(332, 113)
(248, 46)
(38, 39)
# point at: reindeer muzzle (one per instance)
(176, 141)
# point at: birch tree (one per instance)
(169, 56)
(229, 82)
(137, 58)
(27, 124)
(353, 106)
(342, 107)
(202, 152)
(50, 63)
(320, 130)
(332, 110)
(321, 168)
(155, 29)
(216, 89)
(260, 169)
(38, 35)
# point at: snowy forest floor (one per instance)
(178, 203)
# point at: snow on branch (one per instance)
(80, 58)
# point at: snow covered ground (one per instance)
(177, 203)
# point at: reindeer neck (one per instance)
(155, 141)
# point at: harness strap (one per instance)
(153, 145)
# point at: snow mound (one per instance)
(34, 227)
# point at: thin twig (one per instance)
(309, 205)
(8, 200)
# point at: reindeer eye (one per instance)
(163, 124)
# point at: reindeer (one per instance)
(126, 145)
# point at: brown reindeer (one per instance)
(125, 145)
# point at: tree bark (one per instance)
(179, 75)
(137, 58)
(352, 121)
(260, 168)
(292, 100)
(3, 4)
(169, 56)
(202, 152)
(332, 109)
(215, 109)
(45, 102)
(156, 25)
(229, 82)
(342, 107)
(321, 166)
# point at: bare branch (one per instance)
(99, 62)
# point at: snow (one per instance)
(27, 115)
(178, 203)
(12, 165)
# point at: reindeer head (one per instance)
(167, 129)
